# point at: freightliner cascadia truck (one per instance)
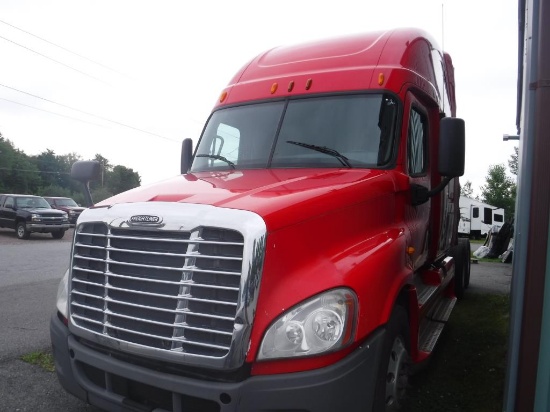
(304, 260)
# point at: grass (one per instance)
(467, 369)
(496, 260)
(478, 241)
(42, 359)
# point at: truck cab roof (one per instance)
(383, 60)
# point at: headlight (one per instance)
(62, 295)
(65, 216)
(35, 216)
(321, 324)
(72, 212)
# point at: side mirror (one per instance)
(186, 155)
(452, 152)
(452, 147)
(84, 171)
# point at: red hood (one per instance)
(269, 193)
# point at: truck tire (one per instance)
(393, 371)
(58, 234)
(21, 231)
(466, 248)
(458, 254)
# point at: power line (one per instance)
(84, 112)
(34, 171)
(56, 61)
(62, 48)
(48, 111)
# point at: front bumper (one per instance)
(112, 384)
(73, 218)
(45, 228)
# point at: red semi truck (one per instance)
(305, 258)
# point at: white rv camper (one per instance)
(477, 218)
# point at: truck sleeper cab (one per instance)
(306, 256)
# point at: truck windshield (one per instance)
(66, 202)
(32, 203)
(334, 131)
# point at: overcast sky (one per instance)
(130, 79)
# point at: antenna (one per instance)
(443, 56)
(442, 28)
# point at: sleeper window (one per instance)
(417, 143)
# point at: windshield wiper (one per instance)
(218, 157)
(326, 150)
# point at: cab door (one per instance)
(8, 213)
(417, 217)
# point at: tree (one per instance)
(67, 162)
(121, 179)
(106, 168)
(17, 173)
(513, 162)
(100, 194)
(54, 169)
(499, 190)
(467, 189)
(48, 174)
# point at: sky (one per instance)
(130, 79)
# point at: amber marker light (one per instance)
(223, 96)
(290, 86)
(380, 79)
(274, 87)
(308, 84)
(410, 250)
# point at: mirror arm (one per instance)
(88, 194)
(420, 194)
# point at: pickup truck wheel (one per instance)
(21, 231)
(393, 372)
(58, 234)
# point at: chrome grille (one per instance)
(171, 290)
(51, 219)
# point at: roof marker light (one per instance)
(274, 87)
(308, 84)
(223, 96)
(291, 86)
(380, 79)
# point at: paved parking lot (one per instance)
(8, 237)
(25, 387)
(489, 277)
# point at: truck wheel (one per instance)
(458, 254)
(21, 231)
(58, 234)
(466, 248)
(393, 372)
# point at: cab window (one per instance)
(417, 158)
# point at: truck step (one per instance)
(434, 324)
(442, 311)
(430, 335)
(424, 292)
